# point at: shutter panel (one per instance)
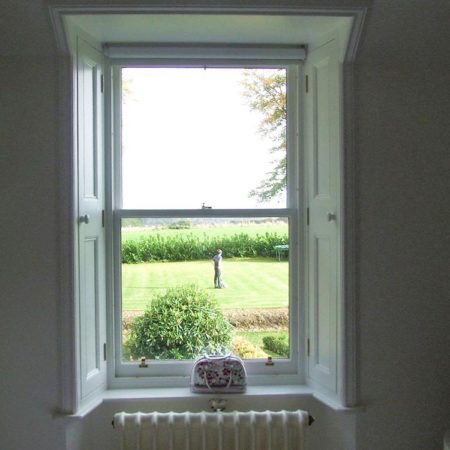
(91, 239)
(323, 146)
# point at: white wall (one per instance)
(28, 254)
(403, 102)
(403, 116)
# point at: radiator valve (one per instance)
(218, 404)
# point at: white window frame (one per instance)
(174, 373)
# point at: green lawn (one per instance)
(211, 231)
(252, 283)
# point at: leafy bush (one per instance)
(180, 225)
(278, 345)
(178, 324)
(191, 247)
(245, 349)
(258, 319)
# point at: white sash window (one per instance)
(312, 210)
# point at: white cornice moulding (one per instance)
(59, 14)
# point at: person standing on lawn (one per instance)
(217, 260)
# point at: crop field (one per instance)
(255, 283)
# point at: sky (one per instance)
(188, 138)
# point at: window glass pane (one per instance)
(198, 299)
(213, 137)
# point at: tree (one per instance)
(265, 91)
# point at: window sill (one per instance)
(185, 393)
(162, 398)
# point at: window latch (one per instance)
(143, 364)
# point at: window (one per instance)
(208, 160)
(320, 350)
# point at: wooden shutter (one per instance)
(323, 147)
(91, 239)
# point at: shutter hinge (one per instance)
(104, 351)
(307, 216)
(103, 218)
(308, 347)
(102, 83)
(306, 83)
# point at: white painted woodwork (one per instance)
(209, 28)
(322, 142)
(321, 127)
(91, 238)
(227, 52)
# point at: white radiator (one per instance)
(268, 430)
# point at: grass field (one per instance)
(218, 230)
(252, 283)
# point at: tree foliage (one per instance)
(265, 92)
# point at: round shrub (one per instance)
(181, 323)
(277, 345)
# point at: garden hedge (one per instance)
(191, 247)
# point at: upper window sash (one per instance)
(294, 190)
